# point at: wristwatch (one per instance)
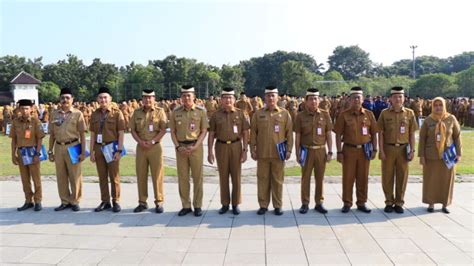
(50, 152)
(153, 142)
(330, 153)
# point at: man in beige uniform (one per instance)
(67, 128)
(229, 126)
(313, 131)
(397, 126)
(26, 132)
(270, 126)
(211, 106)
(355, 127)
(188, 127)
(107, 126)
(244, 104)
(148, 126)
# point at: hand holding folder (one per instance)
(75, 152)
(109, 151)
(281, 149)
(450, 156)
(28, 154)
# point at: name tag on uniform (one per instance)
(319, 131)
(150, 127)
(402, 130)
(236, 130)
(438, 137)
(27, 134)
(99, 138)
(364, 131)
(277, 128)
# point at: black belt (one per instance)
(396, 144)
(187, 142)
(67, 142)
(354, 146)
(104, 143)
(26, 147)
(228, 141)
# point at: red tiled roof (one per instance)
(24, 78)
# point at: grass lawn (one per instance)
(127, 163)
(466, 166)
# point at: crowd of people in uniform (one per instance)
(265, 129)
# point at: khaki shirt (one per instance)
(350, 125)
(269, 128)
(188, 123)
(108, 124)
(397, 126)
(148, 124)
(313, 127)
(67, 126)
(229, 125)
(417, 107)
(325, 105)
(211, 106)
(427, 144)
(19, 128)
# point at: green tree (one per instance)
(10, 66)
(232, 76)
(66, 73)
(465, 82)
(48, 92)
(352, 62)
(296, 78)
(433, 85)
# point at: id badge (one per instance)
(438, 137)
(27, 134)
(192, 126)
(402, 130)
(99, 138)
(319, 131)
(236, 130)
(150, 127)
(364, 131)
(277, 128)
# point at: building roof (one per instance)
(24, 78)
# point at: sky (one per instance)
(227, 32)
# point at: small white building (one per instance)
(24, 86)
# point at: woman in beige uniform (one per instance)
(439, 131)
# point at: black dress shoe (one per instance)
(430, 209)
(103, 206)
(445, 210)
(236, 210)
(398, 209)
(278, 211)
(140, 208)
(320, 208)
(75, 207)
(38, 207)
(346, 208)
(25, 206)
(388, 209)
(197, 212)
(262, 211)
(116, 207)
(62, 207)
(223, 209)
(159, 208)
(304, 209)
(363, 208)
(184, 211)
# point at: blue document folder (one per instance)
(303, 155)
(28, 153)
(368, 150)
(110, 149)
(449, 156)
(75, 151)
(281, 149)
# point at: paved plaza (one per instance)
(415, 237)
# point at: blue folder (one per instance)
(449, 156)
(75, 151)
(281, 149)
(110, 149)
(28, 153)
(368, 150)
(303, 155)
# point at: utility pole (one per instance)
(413, 47)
